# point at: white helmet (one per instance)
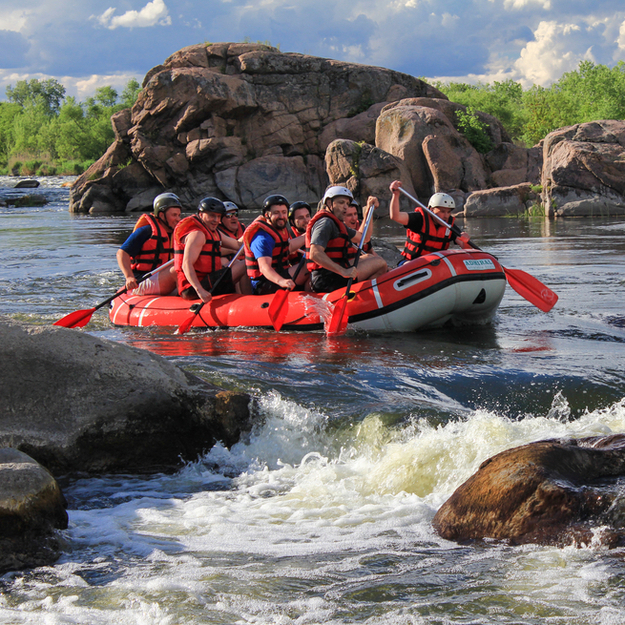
(441, 199)
(230, 206)
(332, 192)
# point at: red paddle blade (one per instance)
(532, 289)
(76, 319)
(278, 309)
(186, 324)
(338, 321)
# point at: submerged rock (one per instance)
(549, 492)
(75, 402)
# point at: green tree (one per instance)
(47, 94)
(130, 93)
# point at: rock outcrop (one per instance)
(584, 170)
(549, 492)
(32, 507)
(239, 121)
(79, 403)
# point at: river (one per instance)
(323, 514)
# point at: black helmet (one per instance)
(211, 205)
(295, 206)
(164, 201)
(274, 200)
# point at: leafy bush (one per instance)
(474, 130)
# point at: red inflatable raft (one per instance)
(455, 286)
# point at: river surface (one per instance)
(323, 514)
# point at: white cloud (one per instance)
(621, 37)
(522, 4)
(152, 14)
(13, 20)
(557, 48)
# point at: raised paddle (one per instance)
(195, 309)
(80, 318)
(339, 318)
(279, 308)
(532, 289)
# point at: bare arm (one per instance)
(319, 256)
(264, 264)
(393, 208)
(296, 243)
(229, 243)
(123, 260)
(193, 246)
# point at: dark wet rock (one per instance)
(32, 508)
(548, 492)
(77, 403)
(27, 184)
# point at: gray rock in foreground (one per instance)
(77, 403)
(32, 507)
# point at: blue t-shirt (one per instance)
(262, 245)
(134, 243)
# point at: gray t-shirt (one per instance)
(326, 229)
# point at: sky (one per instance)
(86, 44)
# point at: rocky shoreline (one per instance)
(73, 403)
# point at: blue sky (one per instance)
(92, 43)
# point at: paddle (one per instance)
(195, 309)
(80, 318)
(338, 321)
(277, 309)
(532, 289)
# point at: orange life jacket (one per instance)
(337, 248)
(209, 259)
(156, 250)
(433, 237)
(280, 251)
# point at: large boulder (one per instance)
(75, 402)
(32, 507)
(222, 119)
(365, 170)
(549, 492)
(512, 201)
(584, 170)
(437, 156)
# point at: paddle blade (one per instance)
(532, 289)
(338, 321)
(278, 309)
(76, 319)
(186, 324)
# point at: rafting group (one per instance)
(286, 247)
(306, 271)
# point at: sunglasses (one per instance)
(231, 214)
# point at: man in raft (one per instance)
(424, 234)
(198, 251)
(149, 247)
(268, 247)
(299, 216)
(230, 224)
(353, 219)
(329, 245)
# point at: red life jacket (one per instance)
(280, 251)
(295, 256)
(337, 248)
(237, 235)
(156, 250)
(433, 237)
(209, 259)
